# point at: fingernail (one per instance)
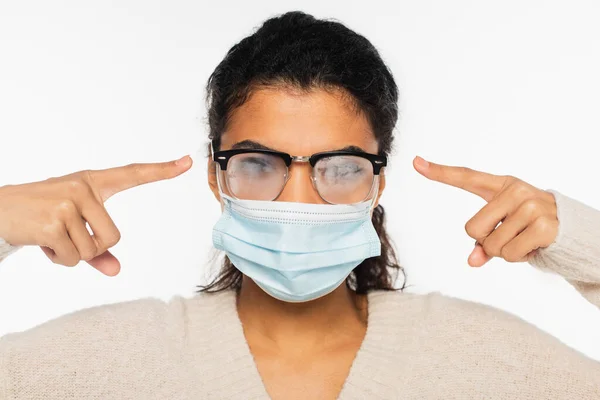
(422, 163)
(182, 161)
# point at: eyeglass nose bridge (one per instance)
(300, 158)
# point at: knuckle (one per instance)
(521, 189)
(509, 255)
(491, 248)
(71, 263)
(87, 256)
(67, 262)
(76, 187)
(87, 176)
(89, 181)
(53, 230)
(531, 207)
(88, 253)
(542, 224)
(472, 229)
(114, 238)
(65, 209)
(58, 261)
(510, 179)
(110, 240)
(548, 197)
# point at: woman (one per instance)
(301, 115)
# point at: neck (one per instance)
(338, 315)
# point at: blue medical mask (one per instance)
(296, 252)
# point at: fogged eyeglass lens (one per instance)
(255, 176)
(343, 179)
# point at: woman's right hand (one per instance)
(53, 213)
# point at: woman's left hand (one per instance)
(527, 215)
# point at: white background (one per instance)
(507, 87)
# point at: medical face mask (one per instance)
(296, 252)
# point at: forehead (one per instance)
(299, 123)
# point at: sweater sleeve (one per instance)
(575, 253)
(113, 351)
(7, 249)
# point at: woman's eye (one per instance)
(341, 171)
(256, 164)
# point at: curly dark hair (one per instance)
(298, 51)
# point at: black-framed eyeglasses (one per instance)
(340, 177)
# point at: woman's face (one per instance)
(301, 125)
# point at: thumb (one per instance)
(478, 256)
(106, 263)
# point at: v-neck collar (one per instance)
(368, 365)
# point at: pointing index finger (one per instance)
(482, 184)
(108, 182)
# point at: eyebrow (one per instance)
(252, 145)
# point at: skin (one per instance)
(301, 350)
(53, 213)
(306, 350)
(527, 215)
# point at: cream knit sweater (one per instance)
(416, 347)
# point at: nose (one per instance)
(299, 186)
